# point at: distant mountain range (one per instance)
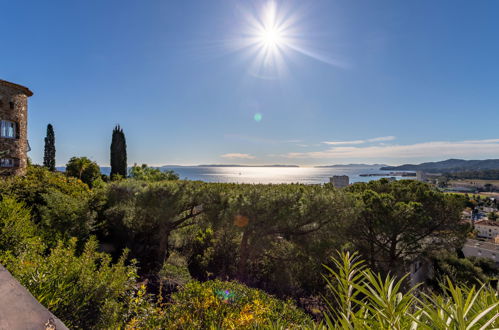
(351, 165)
(449, 165)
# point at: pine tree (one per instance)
(49, 155)
(118, 153)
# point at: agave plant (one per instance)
(460, 307)
(365, 300)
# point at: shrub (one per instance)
(38, 181)
(174, 272)
(147, 173)
(16, 228)
(83, 169)
(84, 291)
(229, 305)
(64, 216)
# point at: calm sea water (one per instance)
(306, 175)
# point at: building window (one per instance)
(8, 129)
(9, 162)
(11, 105)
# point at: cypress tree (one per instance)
(118, 153)
(49, 155)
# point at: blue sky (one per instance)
(345, 81)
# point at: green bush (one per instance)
(229, 305)
(84, 291)
(39, 181)
(174, 272)
(64, 216)
(147, 173)
(16, 228)
(83, 169)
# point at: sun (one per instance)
(270, 31)
(271, 37)
(268, 38)
(274, 35)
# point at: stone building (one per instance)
(14, 145)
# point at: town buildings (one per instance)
(487, 228)
(13, 128)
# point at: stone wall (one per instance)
(20, 310)
(18, 147)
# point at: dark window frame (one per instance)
(14, 162)
(16, 135)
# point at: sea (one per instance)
(275, 175)
(306, 175)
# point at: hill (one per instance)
(449, 165)
(350, 165)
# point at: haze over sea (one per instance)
(308, 175)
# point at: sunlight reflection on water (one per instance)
(308, 175)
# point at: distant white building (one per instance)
(425, 176)
(487, 209)
(487, 228)
(340, 181)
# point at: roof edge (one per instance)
(17, 86)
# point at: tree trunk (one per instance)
(163, 249)
(242, 266)
(393, 252)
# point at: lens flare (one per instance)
(273, 34)
(258, 117)
(241, 221)
(268, 37)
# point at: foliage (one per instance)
(365, 300)
(464, 271)
(475, 175)
(144, 215)
(461, 307)
(84, 291)
(265, 215)
(175, 272)
(33, 187)
(64, 216)
(49, 154)
(270, 237)
(492, 216)
(402, 220)
(229, 305)
(16, 228)
(118, 153)
(83, 169)
(147, 173)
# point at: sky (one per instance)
(258, 82)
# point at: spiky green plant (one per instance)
(460, 307)
(365, 300)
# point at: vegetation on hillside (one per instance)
(153, 251)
